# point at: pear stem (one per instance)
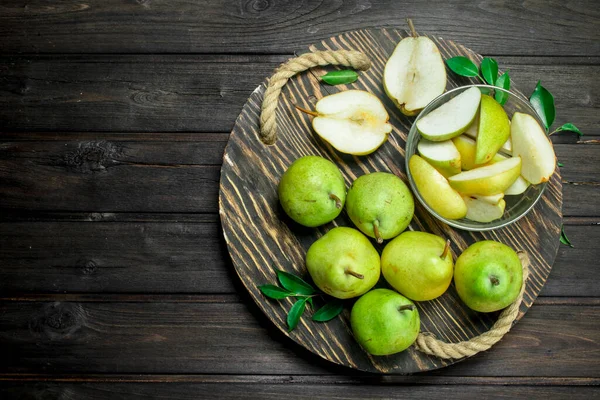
(355, 274)
(304, 110)
(376, 231)
(413, 31)
(338, 202)
(446, 249)
(406, 307)
(494, 280)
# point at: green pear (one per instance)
(518, 187)
(466, 147)
(418, 265)
(483, 211)
(451, 118)
(489, 180)
(343, 263)
(531, 143)
(385, 322)
(442, 156)
(353, 121)
(312, 191)
(380, 205)
(435, 189)
(414, 74)
(488, 276)
(493, 130)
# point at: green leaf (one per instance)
(502, 82)
(328, 311)
(310, 301)
(569, 127)
(293, 283)
(543, 102)
(489, 70)
(275, 292)
(563, 237)
(295, 313)
(462, 66)
(340, 77)
(560, 164)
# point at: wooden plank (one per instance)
(291, 391)
(204, 93)
(140, 173)
(166, 254)
(217, 338)
(150, 93)
(114, 257)
(179, 26)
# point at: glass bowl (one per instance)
(517, 206)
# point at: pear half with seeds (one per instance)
(451, 118)
(443, 156)
(414, 74)
(489, 180)
(531, 143)
(353, 121)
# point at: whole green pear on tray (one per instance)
(380, 205)
(488, 276)
(312, 191)
(343, 263)
(384, 322)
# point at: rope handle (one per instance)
(428, 344)
(268, 120)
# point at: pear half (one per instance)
(414, 74)
(489, 180)
(481, 211)
(473, 130)
(451, 118)
(435, 190)
(518, 187)
(353, 122)
(533, 146)
(493, 130)
(442, 156)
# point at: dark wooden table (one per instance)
(115, 281)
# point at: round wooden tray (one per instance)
(261, 238)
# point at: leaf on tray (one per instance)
(328, 311)
(340, 77)
(295, 313)
(294, 284)
(462, 66)
(543, 103)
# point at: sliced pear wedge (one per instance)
(443, 156)
(473, 130)
(435, 190)
(466, 147)
(518, 187)
(414, 74)
(451, 118)
(353, 122)
(493, 130)
(489, 180)
(493, 199)
(481, 211)
(531, 143)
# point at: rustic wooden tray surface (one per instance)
(261, 238)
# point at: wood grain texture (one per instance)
(93, 391)
(216, 337)
(174, 172)
(205, 93)
(179, 26)
(260, 239)
(181, 253)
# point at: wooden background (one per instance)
(114, 277)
